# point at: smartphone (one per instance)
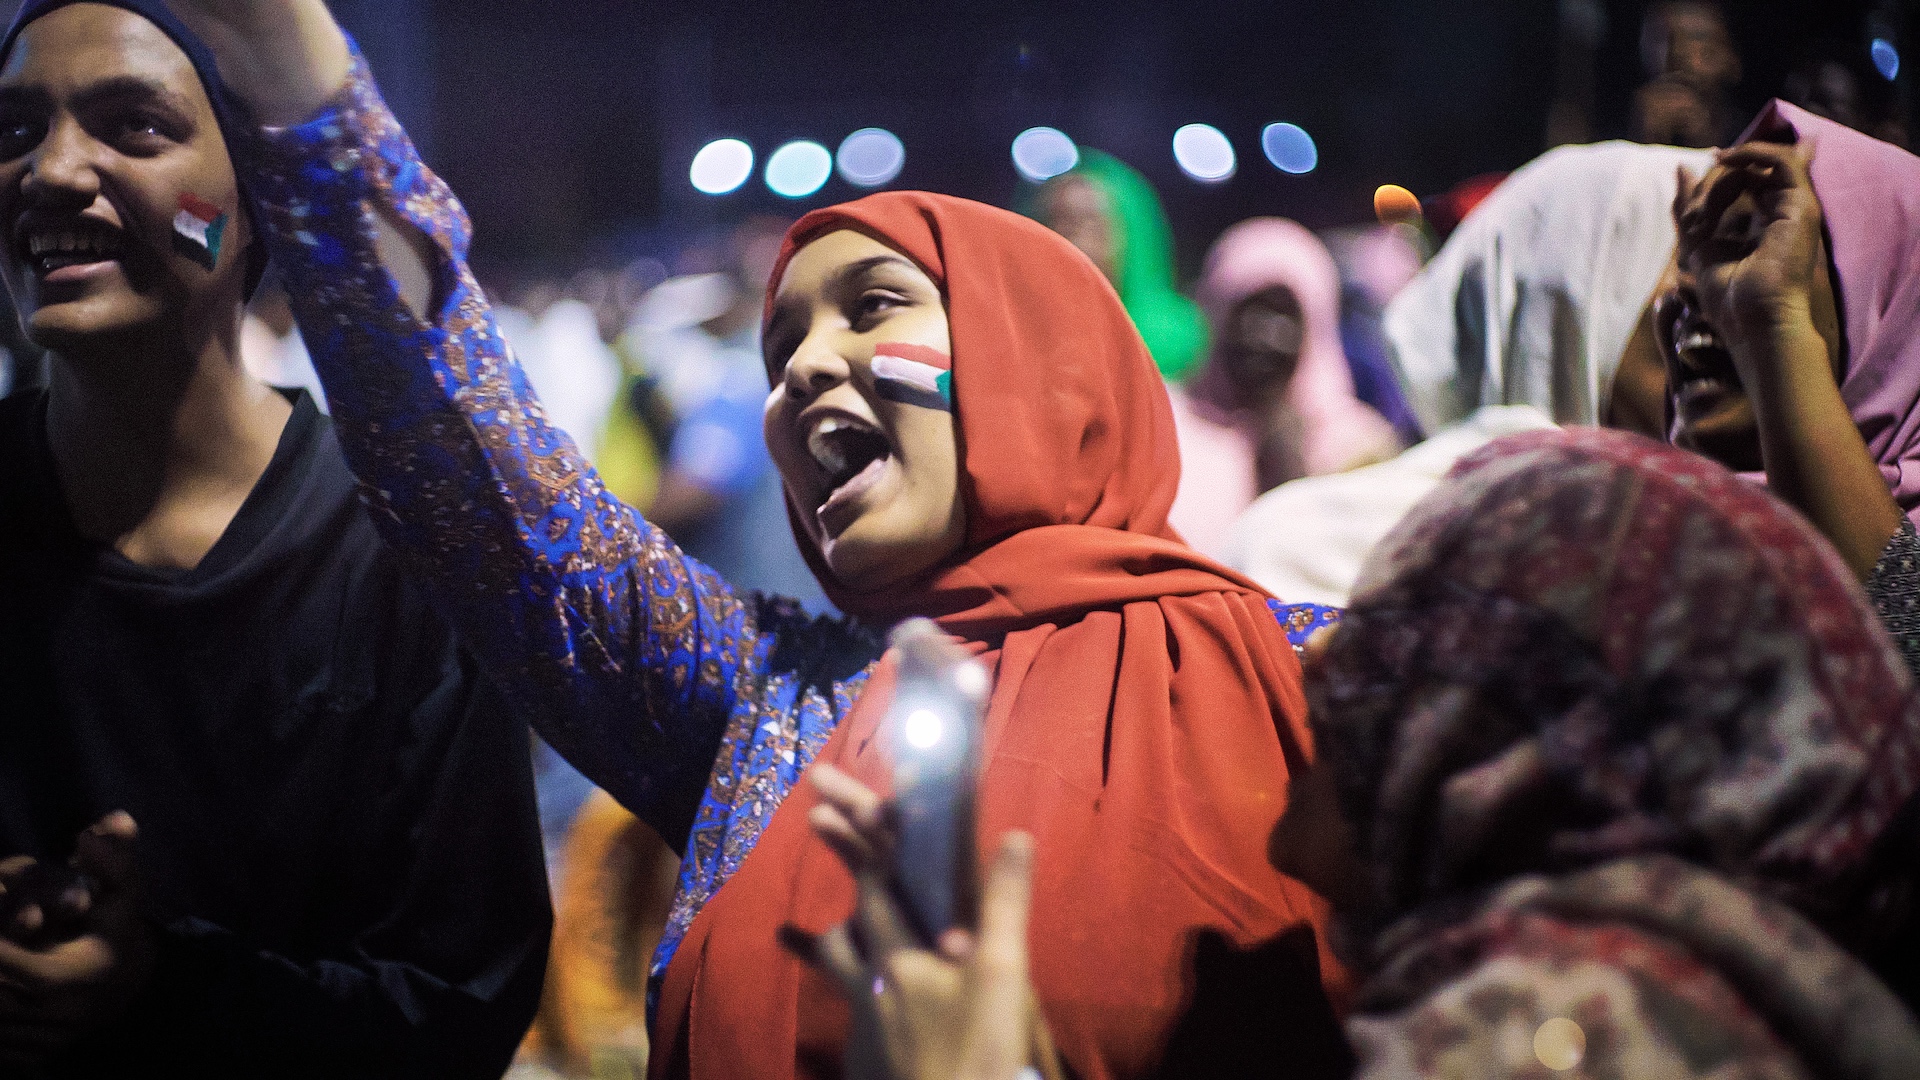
(932, 736)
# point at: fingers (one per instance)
(852, 820)
(1711, 197)
(1684, 183)
(862, 807)
(881, 928)
(998, 1042)
(83, 959)
(846, 840)
(831, 953)
(1763, 169)
(1789, 160)
(1001, 950)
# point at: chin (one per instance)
(863, 562)
(71, 324)
(861, 566)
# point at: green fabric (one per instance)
(1171, 325)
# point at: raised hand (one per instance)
(965, 1010)
(284, 58)
(1749, 238)
(51, 996)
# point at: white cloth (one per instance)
(1217, 479)
(572, 371)
(1304, 541)
(1532, 299)
(279, 361)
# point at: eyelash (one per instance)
(872, 302)
(867, 305)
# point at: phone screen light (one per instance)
(922, 729)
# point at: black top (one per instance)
(337, 827)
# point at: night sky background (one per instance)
(567, 127)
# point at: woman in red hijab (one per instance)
(969, 429)
(1147, 706)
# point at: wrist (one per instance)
(1782, 321)
(1781, 350)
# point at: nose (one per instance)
(60, 171)
(816, 367)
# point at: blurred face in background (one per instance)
(1260, 345)
(1689, 42)
(104, 127)
(873, 481)
(1077, 209)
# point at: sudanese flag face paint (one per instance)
(198, 230)
(913, 375)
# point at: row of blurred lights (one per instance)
(867, 158)
(873, 156)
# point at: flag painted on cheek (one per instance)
(198, 229)
(913, 375)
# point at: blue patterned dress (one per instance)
(694, 705)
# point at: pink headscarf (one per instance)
(1339, 431)
(1870, 194)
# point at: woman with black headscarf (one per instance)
(211, 669)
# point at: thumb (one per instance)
(105, 850)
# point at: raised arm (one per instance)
(622, 651)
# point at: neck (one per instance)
(158, 437)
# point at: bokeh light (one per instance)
(1886, 58)
(1560, 1044)
(1203, 153)
(1395, 205)
(871, 157)
(922, 729)
(721, 166)
(1043, 153)
(1290, 148)
(799, 168)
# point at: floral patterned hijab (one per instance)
(1585, 646)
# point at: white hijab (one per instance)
(1532, 299)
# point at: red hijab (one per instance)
(1147, 706)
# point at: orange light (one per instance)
(1395, 205)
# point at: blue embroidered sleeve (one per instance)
(1301, 620)
(677, 695)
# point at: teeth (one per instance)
(1699, 339)
(824, 449)
(65, 242)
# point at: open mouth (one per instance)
(49, 249)
(851, 454)
(1705, 374)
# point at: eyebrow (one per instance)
(132, 86)
(109, 89)
(782, 312)
(868, 265)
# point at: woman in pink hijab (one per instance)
(1276, 401)
(1791, 335)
